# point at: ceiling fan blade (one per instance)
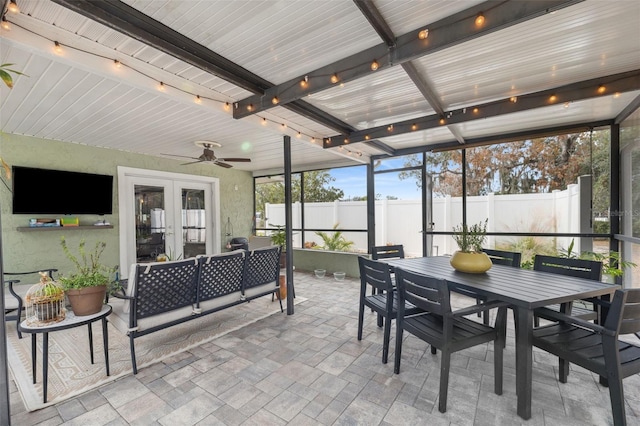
(193, 162)
(221, 164)
(242, 160)
(181, 156)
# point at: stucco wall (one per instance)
(33, 250)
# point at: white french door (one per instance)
(166, 214)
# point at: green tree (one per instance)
(535, 165)
(317, 188)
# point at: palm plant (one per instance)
(334, 242)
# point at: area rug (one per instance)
(71, 372)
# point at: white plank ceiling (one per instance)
(80, 96)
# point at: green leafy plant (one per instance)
(279, 236)
(612, 263)
(470, 238)
(89, 271)
(6, 76)
(334, 242)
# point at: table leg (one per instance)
(105, 342)
(45, 365)
(524, 360)
(90, 342)
(33, 357)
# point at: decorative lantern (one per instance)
(44, 303)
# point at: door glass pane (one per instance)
(150, 222)
(193, 223)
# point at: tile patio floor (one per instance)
(309, 369)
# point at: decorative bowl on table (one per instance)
(339, 276)
(320, 272)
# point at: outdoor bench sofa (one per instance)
(162, 294)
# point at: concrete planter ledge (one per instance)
(332, 261)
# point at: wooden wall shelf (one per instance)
(61, 228)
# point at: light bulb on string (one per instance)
(13, 7)
(227, 106)
(5, 24)
(422, 35)
(334, 78)
(197, 99)
(161, 87)
(480, 19)
(117, 63)
(275, 100)
(374, 65)
(57, 47)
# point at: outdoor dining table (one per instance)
(525, 290)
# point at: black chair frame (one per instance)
(597, 348)
(383, 301)
(443, 328)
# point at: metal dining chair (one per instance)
(443, 328)
(597, 348)
(383, 300)
(580, 268)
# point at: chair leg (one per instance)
(396, 363)
(616, 393)
(445, 363)
(498, 347)
(360, 320)
(380, 321)
(434, 350)
(387, 339)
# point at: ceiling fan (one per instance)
(208, 156)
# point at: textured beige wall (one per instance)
(34, 250)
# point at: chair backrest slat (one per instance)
(580, 268)
(374, 273)
(631, 313)
(427, 293)
(387, 252)
(501, 257)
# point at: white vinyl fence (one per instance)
(400, 222)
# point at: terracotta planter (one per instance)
(283, 288)
(87, 301)
(472, 263)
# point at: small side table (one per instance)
(70, 321)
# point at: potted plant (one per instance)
(612, 265)
(279, 238)
(45, 302)
(86, 287)
(470, 257)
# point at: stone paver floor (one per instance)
(309, 369)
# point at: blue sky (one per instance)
(353, 181)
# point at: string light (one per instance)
(390, 128)
(367, 137)
(298, 135)
(226, 106)
(250, 107)
(476, 110)
(601, 89)
(480, 19)
(198, 100)
(5, 24)
(161, 87)
(57, 47)
(117, 63)
(553, 98)
(442, 120)
(264, 121)
(374, 65)
(284, 126)
(275, 100)
(616, 95)
(566, 104)
(422, 35)
(414, 127)
(346, 140)
(513, 99)
(334, 78)
(13, 7)
(304, 83)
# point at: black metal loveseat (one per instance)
(162, 294)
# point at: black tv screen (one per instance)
(48, 192)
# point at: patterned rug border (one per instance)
(32, 398)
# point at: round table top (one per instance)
(70, 321)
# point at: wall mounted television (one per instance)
(58, 192)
